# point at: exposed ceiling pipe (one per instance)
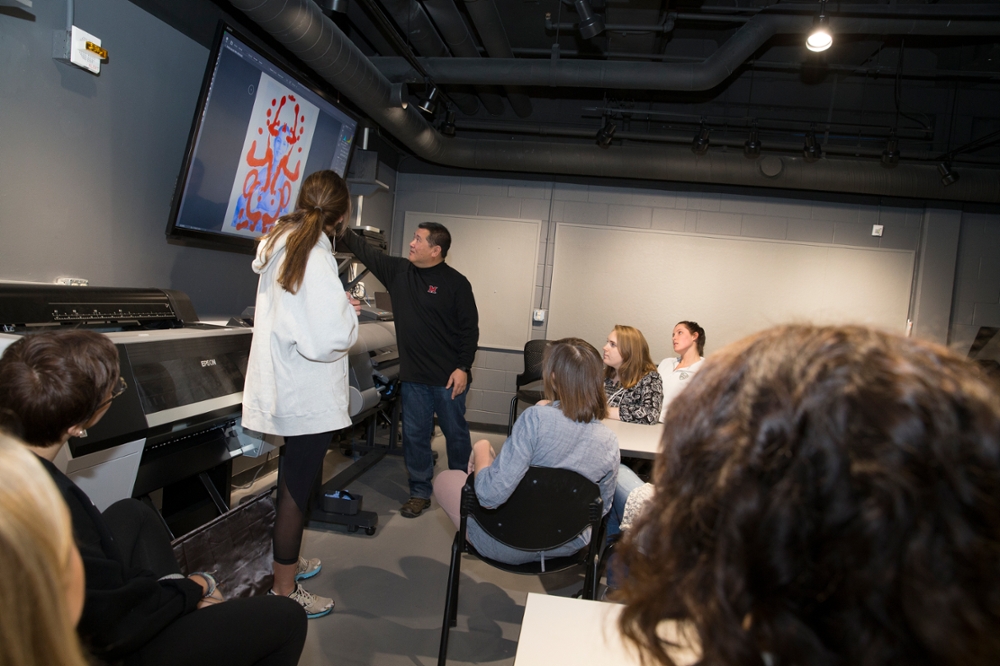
(486, 18)
(410, 16)
(302, 28)
(369, 32)
(705, 75)
(456, 34)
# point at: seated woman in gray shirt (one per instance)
(563, 431)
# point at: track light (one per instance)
(399, 96)
(590, 25)
(890, 156)
(700, 144)
(751, 148)
(429, 105)
(820, 39)
(606, 133)
(811, 149)
(947, 175)
(448, 129)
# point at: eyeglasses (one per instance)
(119, 388)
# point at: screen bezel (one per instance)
(221, 241)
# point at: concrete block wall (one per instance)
(673, 208)
(977, 279)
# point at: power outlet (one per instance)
(80, 48)
(538, 315)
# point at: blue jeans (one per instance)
(627, 482)
(420, 403)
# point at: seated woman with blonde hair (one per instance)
(824, 495)
(41, 587)
(633, 386)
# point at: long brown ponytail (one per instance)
(323, 206)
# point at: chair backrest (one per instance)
(549, 508)
(534, 352)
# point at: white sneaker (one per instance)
(313, 604)
(307, 568)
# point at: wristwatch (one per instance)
(464, 368)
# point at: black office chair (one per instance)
(549, 508)
(534, 350)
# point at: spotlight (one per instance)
(811, 149)
(700, 144)
(448, 129)
(947, 175)
(590, 25)
(399, 95)
(606, 133)
(751, 148)
(890, 156)
(820, 38)
(429, 105)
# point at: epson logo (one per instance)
(208, 363)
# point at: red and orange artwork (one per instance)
(275, 150)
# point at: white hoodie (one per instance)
(297, 373)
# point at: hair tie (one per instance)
(319, 208)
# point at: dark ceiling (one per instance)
(927, 74)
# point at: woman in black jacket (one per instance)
(138, 608)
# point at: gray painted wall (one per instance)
(977, 279)
(88, 162)
(676, 208)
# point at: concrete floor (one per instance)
(389, 588)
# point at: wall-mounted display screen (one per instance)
(259, 130)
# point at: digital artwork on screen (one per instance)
(271, 167)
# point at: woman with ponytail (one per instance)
(297, 385)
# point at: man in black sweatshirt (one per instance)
(437, 331)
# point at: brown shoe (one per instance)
(414, 507)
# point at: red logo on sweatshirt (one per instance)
(432, 289)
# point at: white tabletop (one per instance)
(560, 630)
(636, 440)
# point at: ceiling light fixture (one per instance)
(820, 39)
(700, 144)
(811, 149)
(947, 175)
(448, 128)
(429, 105)
(890, 156)
(399, 96)
(590, 25)
(751, 148)
(606, 133)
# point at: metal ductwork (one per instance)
(486, 18)
(454, 31)
(302, 28)
(421, 33)
(629, 75)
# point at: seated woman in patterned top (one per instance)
(634, 387)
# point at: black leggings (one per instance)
(301, 464)
(254, 631)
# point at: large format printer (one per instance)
(177, 425)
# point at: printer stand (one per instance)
(366, 520)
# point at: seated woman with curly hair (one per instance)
(824, 495)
